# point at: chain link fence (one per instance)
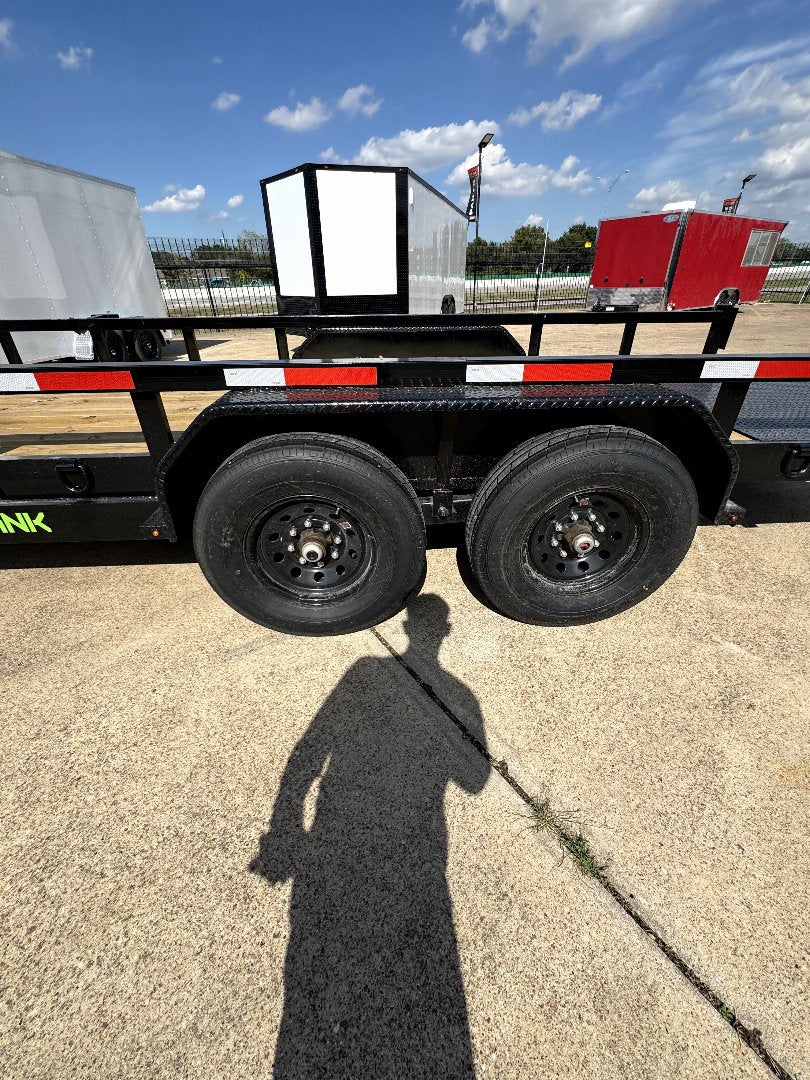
(234, 277)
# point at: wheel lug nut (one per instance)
(564, 553)
(308, 523)
(293, 531)
(574, 515)
(596, 543)
(558, 527)
(591, 517)
(338, 539)
(335, 553)
(555, 542)
(302, 560)
(290, 547)
(326, 526)
(600, 528)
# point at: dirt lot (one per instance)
(379, 855)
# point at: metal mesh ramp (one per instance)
(771, 412)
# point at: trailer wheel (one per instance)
(117, 346)
(579, 525)
(148, 345)
(311, 534)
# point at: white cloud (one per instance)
(743, 57)
(216, 59)
(534, 219)
(77, 56)
(562, 113)
(331, 155)
(220, 215)
(234, 201)
(501, 176)
(746, 112)
(656, 195)
(224, 101)
(426, 149)
(306, 116)
(179, 202)
(6, 43)
(549, 22)
(359, 99)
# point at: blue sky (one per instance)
(193, 104)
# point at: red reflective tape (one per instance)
(783, 369)
(567, 372)
(331, 376)
(84, 380)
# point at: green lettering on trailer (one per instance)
(23, 522)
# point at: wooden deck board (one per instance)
(39, 425)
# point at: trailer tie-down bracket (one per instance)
(76, 477)
(796, 463)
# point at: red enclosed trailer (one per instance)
(682, 259)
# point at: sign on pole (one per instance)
(730, 205)
(472, 202)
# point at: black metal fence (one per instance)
(788, 278)
(234, 277)
(215, 277)
(510, 278)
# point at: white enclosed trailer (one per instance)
(72, 246)
(351, 239)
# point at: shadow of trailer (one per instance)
(308, 483)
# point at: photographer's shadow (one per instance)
(373, 987)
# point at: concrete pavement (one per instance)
(209, 827)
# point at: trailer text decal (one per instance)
(23, 522)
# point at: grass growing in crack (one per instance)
(544, 819)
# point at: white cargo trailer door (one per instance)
(287, 206)
(359, 231)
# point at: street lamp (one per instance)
(487, 139)
(746, 180)
(610, 186)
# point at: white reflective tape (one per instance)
(729, 369)
(497, 373)
(18, 380)
(254, 376)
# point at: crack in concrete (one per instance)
(751, 1036)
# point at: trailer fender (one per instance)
(490, 421)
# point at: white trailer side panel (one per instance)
(72, 245)
(437, 250)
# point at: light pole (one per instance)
(485, 141)
(609, 186)
(746, 180)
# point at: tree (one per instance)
(572, 245)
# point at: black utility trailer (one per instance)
(307, 486)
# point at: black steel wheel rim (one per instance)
(309, 548)
(148, 344)
(586, 538)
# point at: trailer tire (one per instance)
(117, 346)
(148, 345)
(538, 564)
(351, 517)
